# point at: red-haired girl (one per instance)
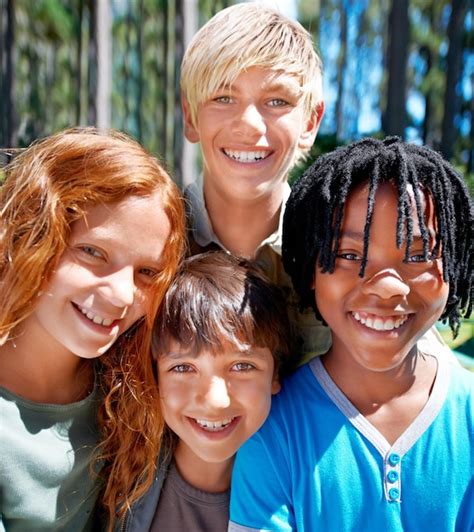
(91, 234)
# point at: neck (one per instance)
(242, 226)
(391, 399)
(44, 373)
(363, 386)
(213, 477)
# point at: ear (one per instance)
(190, 131)
(276, 386)
(308, 135)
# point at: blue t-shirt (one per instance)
(318, 464)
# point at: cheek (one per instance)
(431, 287)
(330, 288)
(172, 396)
(257, 398)
(139, 307)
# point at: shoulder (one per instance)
(462, 384)
(293, 408)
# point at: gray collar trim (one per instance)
(412, 433)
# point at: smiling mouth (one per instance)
(93, 317)
(213, 426)
(247, 156)
(380, 323)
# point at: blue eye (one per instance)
(182, 368)
(243, 366)
(278, 102)
(223, 99)
(90, 250)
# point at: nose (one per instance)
(119, 287)
(386, 284)
(217, 394)
(250, 122)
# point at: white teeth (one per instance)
(389, 325)
(247, 156)
(379, 323)
(214, 425)
(107, 322)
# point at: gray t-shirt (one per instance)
(184, 507)
(45, 454)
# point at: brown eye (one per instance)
(349, 256)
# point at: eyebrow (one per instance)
(277, 86)
(358, 236)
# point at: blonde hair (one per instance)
(47, 187)
(243, 36)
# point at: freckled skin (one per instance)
(102, 272)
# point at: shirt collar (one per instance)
(201, 225)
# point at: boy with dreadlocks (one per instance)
(376, 434)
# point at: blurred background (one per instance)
(403, 67)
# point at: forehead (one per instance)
(115, 213)
(135, 222)
(261, 78)
(386, 207)
(178, 351)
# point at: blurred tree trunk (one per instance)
(7, 105)
(3, 126)
(104, 63)
(425, 52)
(139, 106)
(341, 70)
(470, 160)
(394, 118)
(80, 18)
(92, 65)
(187, 20)
(127, 60)
(453, 73)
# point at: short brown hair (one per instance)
(217, 301)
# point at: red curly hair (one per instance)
(47, 187)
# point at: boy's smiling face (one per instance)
(251, 133)
(215, 402)
(376, 320)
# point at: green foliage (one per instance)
(54, 88)
(323, 144)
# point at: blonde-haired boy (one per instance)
(252, 96)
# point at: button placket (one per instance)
(391, 480)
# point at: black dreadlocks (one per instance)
(314, 213)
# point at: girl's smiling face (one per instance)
(99, 287)
(376, 320)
